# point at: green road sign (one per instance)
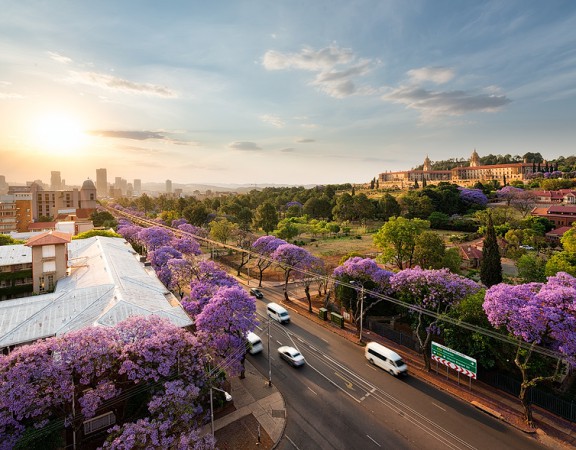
(456, 360)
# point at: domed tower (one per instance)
(88, 195)
(427, 164)
(474, 159)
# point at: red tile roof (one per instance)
(49, 238)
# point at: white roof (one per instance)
(15, 254)
(107, 284)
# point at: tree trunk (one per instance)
(526, 405)
(307, 292)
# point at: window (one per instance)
(48, 251)
(99, 422)
(49, 266)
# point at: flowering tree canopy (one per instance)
(265, 246)
(155, 237)
(291, 257)
(223, 324)
(88, 367)
(473, 197)
(159, 257)
(371, 277)
(434, 290)
(538, 314)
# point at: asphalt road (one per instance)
(339, 401)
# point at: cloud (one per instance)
(287, 150)
(141, 135)
(438, 75)
(272, 120)
(59, 58)
(245, 146)
(336, 68)
(10, 96)
(304, 140)
(308, 59)
(110, 82)
(449, 103)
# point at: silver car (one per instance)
(293, 356)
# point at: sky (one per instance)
(279, 92)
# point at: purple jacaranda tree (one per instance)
(223, 324)
(159, 258)
(43, 381)
(264, 247)
(473, 197)
(177, 222)
(129, 231)
(187, 246)
(366, 273)
(509, 193)
(291, 258)
(208, 278)
(537, 314)
(193, 230)
(434, 290)
(315, 273)
(181, 273)
(155, 237)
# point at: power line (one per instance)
(328, 279)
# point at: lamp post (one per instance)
(269, 360)
(356, 283)
(228, 398)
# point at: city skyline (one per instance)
(257, 93)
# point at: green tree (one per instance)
(286, 230)
(103, 219)
(318, 207)
(222, 230)
(266, 217)
(490, 265)
(452, 260)
(8, 240)
(196, 214)
(92, 233)
(561, 262)
(531, 268)
(387, 207)
(396, 239)
(568, 240)
(415, 205)
(344, 209)
(244, 218)
(429, 250)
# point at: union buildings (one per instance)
(463, 176)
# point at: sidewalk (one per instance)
(256, 417)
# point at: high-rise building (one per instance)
(3, 185)
(137, 187)
(102, 183)
(55, 180)
(169, 186)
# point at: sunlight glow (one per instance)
(58, 133)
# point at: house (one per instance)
(104, 283)
(471, 255)
(559, 215)
(554, 236)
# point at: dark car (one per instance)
(256, 293)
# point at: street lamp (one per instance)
(228, 398)
(356, 283)
(269, 360)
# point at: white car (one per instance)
(293, 356)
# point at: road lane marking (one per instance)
(373, 441)
(292, 442)
(325, 340)
(438, 406)
(347, 382)
(279, 343)
(311, 390)
(367, 394)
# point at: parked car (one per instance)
(293, 356)
(256, 293)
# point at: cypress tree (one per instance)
(490, 266)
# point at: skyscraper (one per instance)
(102, 182)
(137, 187)
(169, 186)
(55, 180)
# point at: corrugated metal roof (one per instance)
(15, 254)
(107, 284)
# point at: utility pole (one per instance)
(356, 283)
(269, 359)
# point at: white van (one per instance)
(278, 313)
(255, 343)
(386, 359)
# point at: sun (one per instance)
(58, 133)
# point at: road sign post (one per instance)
(460, 362)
